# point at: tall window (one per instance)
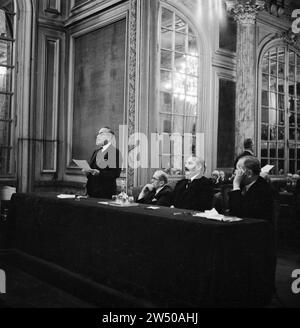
(280, 110)
(179, 78)
(7, 16)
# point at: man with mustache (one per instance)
(195, 192)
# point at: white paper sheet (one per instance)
(214, 215)
(66, 196)
(267, 168)
(83, 164)
(153, 208)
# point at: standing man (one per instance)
(105, 168)
(248, 151)
(252, 196)
(195, 192)
(157, 192)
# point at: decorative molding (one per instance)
(51, 24)
(56, 9)
(90, 8)
(132, 69)
(289, 37)
(51, 56)
(245, 12)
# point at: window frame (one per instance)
(286, 140)
(159, 113)
(11, 119)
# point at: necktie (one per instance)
(188, 183)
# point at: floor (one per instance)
(30, 292)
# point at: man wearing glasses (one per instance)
(158, 192)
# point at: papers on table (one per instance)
(66, 196)
(267, 168)
(211, 214)
(153, 208)
(123, 204)
(119, 204)
(214, 215)
(83, 164)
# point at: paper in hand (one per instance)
(267, 168)
(83, 164)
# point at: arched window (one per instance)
(7, 18)
(179, 85)
(280, 109)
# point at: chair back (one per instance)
(225, 190)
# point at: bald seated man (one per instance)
(195, 192)
(157, 192)
(105, 166)
(252, 196)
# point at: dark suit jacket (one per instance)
(162, 198)
(243, 154)
(256, 203)
(104, 184)
(197, 196)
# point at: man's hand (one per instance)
(239, 174)
(91, 171)
(148, 187)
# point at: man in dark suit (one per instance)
(252, 196)
(157, 192)
(105, 167)
(195, 192)
(248, 151)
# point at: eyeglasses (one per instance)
(154, 178)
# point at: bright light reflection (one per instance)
(211, 9)
(2, 70)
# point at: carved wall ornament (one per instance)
(289, 37)
(245, 12)
(132, 81)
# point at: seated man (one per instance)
(215, 177)
(252, 196)
(157, 192)
(195, 192)
(223, 179)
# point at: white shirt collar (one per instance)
(248, 186)
(159, 189)
(195, 177)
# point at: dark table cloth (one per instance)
(170, 260)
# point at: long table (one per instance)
(170, 260)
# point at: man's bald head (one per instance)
(194, 165)
(105, 136)
(250, 163)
